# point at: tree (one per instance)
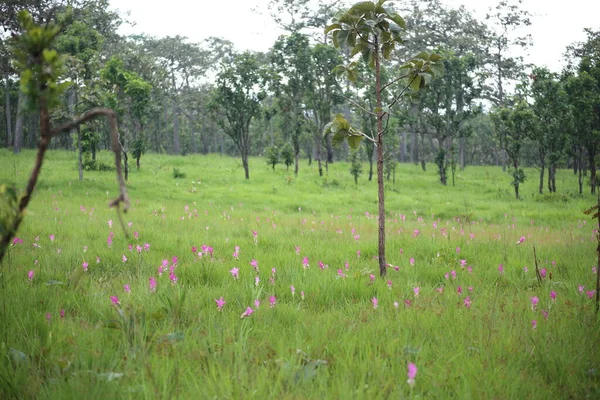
(370, 29)
(355, 166)
(291, 64)
(514, 125)
(272, 156)
(236, 101)
(550, 108)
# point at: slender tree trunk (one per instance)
(516, 183)
(592, 165)
(194, 142)
(542, 168)
(318, 153)
(461, 153)
(18, 139)
(126, 162)
(371, 168)
(403, 146)
(580, 170)
(553, 177)
(79, 153)
(329, 151)
(8, 112)
(245, 164)
(503, 158)
(380, 183)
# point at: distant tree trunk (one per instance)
(329, 151)
(461, 153)
(126, 161)
(317, 151)
(8, 113)
(403, 146)
(503, 158)
(592, 166)
(553, 177)
(18, 139)
(194, 142)
(516, 183)
(542, 170)
(580, 167)
(73, 114)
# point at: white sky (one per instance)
(556, 23)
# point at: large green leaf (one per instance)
(354, 141)
(415, 84)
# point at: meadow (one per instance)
(224, 288)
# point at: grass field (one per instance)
(461, 300)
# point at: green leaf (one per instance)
(415, 84)
(398, 20)
(332, 27)
(354, 141)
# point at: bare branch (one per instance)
(117, 147)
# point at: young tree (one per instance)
(373, 31)
(514, 125)
(236, 101)
(42, 68)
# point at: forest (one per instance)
(389, 203)
(177, 97)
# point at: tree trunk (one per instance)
(461, 153)
(380, 183)
(317, 152)
(296, 161)
(553, 178)
(126, 161)
(592, 166)
(542, 170)
(8, 113)
(245, 164)
(403, 146)
(18, 139)
(194, 142)
(79, 154)
(329, 151)
(580, 170)
(503, 153)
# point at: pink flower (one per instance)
(534, 302)
(412, 261)
(249, 311)
(302, 295)
(124, 258)
(62, 313)
(500, 269)
(553, 295)
(136, 234)
(463, 263)
(411, 374)
(127, 288)
(407, 303)
(545, 314)
(97, 260)
(341, 273)
(110, 223)
(220, 303)
(458, 250)
(389, 284)
(521, 240)
(297, 250)
(235, 272)
(152, 284)
(293, 289)
(358, 254)
(533, 324)
(446, 275)
(580, 288)
(543, 273)
(396, 305)
(173, 277)
(254, 264)
(115, 300)
(525, 269)
(375, 302)
(256, 303)
(256, 280)
(84, 266)
(48, 317)
(305, 262)
(30, 275)
(440, 289)
(372, 278)
(138, 248)
(459, 290)
(467, 302)
(51, 238)
(590, 294)
(416, 291)
(147, 247)
(272, 301)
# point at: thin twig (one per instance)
(537, 270)
(359, 106)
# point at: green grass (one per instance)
(332, 343)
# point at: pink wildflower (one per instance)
(249, 311)
(115, 300)
(411, 374)
(375, 302)
(152, 284)
(272, 301)
(30, 275)
(234, 272)
(220, 303)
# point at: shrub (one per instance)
(178, 174)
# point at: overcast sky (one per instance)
(556, 23)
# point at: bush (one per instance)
(272, 156)
(287, 154)
(178, 174)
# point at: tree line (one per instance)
(175, 96)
